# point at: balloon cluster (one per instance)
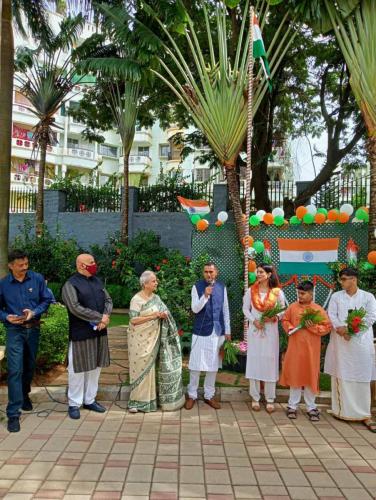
(254, 247)
(310, 215)
(276, 217)
(203, 224)
(371, 258)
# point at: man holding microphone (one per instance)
(211, 328)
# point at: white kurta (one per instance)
(205, 350)
(351, 363)
(352, 360)
(263, 345)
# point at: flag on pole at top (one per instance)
(259, 51)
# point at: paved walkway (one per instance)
(232, 453)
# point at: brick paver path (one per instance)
(232, 453)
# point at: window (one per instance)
(72, 143)
(164, 150)
(106, 150)
(202, 174)
(143, 150)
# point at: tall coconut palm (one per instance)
(212, 85)
(11, 10)
(46, 79)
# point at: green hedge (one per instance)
(53, 344)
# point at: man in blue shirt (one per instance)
(23, 298)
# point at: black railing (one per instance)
(22, 200)
(91, 199)
(277, 191)
(158, 198)
(349, 189)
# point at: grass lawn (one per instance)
(119, 320)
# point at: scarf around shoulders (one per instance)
(270, 300)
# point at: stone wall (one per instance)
(89, 228)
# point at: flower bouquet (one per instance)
(272, 312)
(355, 322)
(229, 352)
(308, 315)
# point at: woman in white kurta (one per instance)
(351, 360)
(263, 339)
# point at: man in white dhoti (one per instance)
(211, 328)
(351, 360)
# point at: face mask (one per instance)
(92, 269)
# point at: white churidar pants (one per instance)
(269, 389)
(209, 384)
(82, 387)
(295, 397)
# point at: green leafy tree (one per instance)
(212, 85)
(353, 23)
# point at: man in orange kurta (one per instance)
(301, 365)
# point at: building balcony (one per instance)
(27, 180)
(24, 147)
(143, 137)
(173, 130)
(75, 127)
(137, 164)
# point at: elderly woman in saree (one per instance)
(152, 339)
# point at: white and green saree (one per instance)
(151, 344)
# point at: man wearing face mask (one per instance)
(89, 308)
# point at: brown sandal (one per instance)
(270, 408)
(314, 415)
(291, 413)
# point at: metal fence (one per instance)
(277, 191)
(22, 200)
(340, 189)
(161, 199)
(91, 199)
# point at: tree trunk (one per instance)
(233, 189)
(371, 149)
(39, 215)
(6, 94)
(125, 200)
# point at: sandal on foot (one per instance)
(370, 424)
(314, 415)
(255, 406)
(291, 413)
(270, 408)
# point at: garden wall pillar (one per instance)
(55, 201)
(300, 187)
(220, 198)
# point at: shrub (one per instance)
(176, 275)
(121, 295)
(53, 343)
(52, 256)
(120, 264)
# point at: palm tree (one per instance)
(212, 85)
(37, 22)
(46, 83)
(122, 68)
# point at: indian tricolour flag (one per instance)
(200, 207)
(259, 51)
(308, 256)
